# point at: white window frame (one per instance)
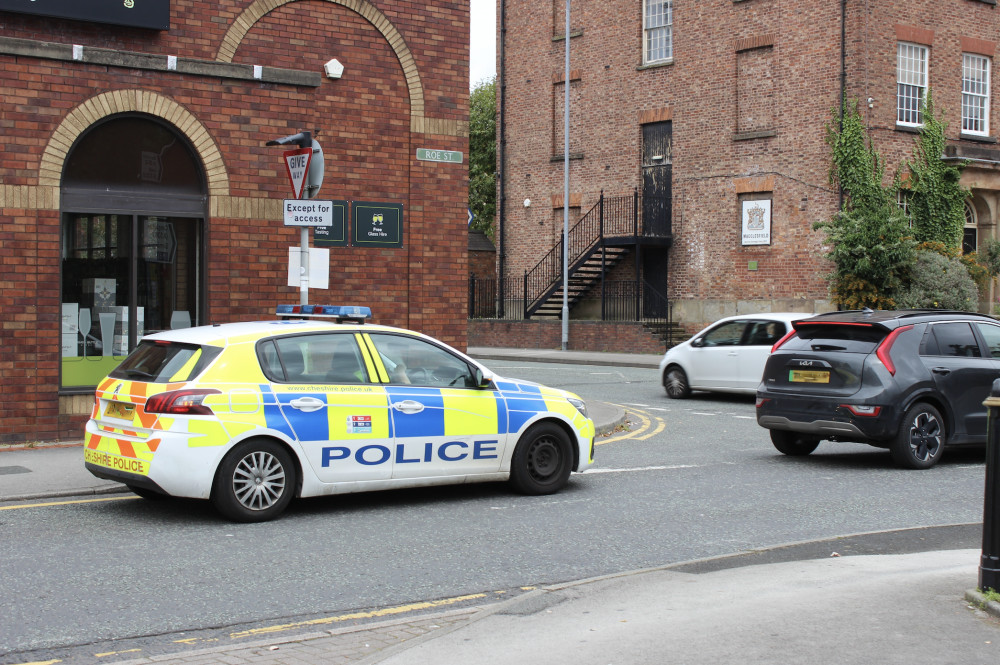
(975, 94)
(911, 83)
(657, 31)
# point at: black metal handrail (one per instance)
(617, 212)
(615, 216)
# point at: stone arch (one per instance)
(125, 101)
(259, 8)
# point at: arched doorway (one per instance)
(134, 204)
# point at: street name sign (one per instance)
(449, 156)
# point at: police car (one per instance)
(320, 402)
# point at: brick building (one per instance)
(703, 124)
(136, 192)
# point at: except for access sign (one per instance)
(449, 156)
(308, 212)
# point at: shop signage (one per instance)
(756, 222)
(153, 14)
(377, 224)
(450, 156)
(335, 234)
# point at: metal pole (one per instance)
(304, 266)
(989, 564)
(565, 305)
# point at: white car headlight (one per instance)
(580, 405)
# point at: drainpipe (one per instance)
(843, 78)
(502, 159)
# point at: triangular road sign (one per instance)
(297, 164)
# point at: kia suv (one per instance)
(911, 381)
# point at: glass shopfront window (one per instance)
(132, 245)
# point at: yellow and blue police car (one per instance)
(320, 402)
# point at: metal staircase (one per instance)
(584, 276)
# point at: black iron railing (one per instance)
(618, 217)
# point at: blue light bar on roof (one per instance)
(338, 312)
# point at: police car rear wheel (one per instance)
(541, 461)
(255, 481)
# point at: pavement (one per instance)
(829, 601)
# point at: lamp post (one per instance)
(565, 303)
(989, 563)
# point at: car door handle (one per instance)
(408, 406)
(307, 404)
(941, 370)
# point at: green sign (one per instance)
(449, 156)
(377, 224)
(336, 235)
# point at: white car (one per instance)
(727, 356)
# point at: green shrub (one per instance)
(939, 282)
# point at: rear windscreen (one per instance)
(832, 337)
(163, 362)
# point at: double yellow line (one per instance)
(68, 503)
(649, 426)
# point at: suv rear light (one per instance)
(181, 402)
(782, 340)
(863, 409)
(882, 352)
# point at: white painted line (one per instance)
(645, 468)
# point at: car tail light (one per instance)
(761, 401)
(863, 409)
(882, 352)
(181, 402)
(782, 340)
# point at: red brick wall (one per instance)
(795, 47)
(483, 264)
(583, 336)
(365, 129)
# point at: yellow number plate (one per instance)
(808, 376)
(117, 462)
(119, 410)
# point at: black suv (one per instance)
(910, 381)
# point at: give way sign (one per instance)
(297, 164)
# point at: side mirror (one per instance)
(482, 379)
(697, 342)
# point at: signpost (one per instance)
(297, 163)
